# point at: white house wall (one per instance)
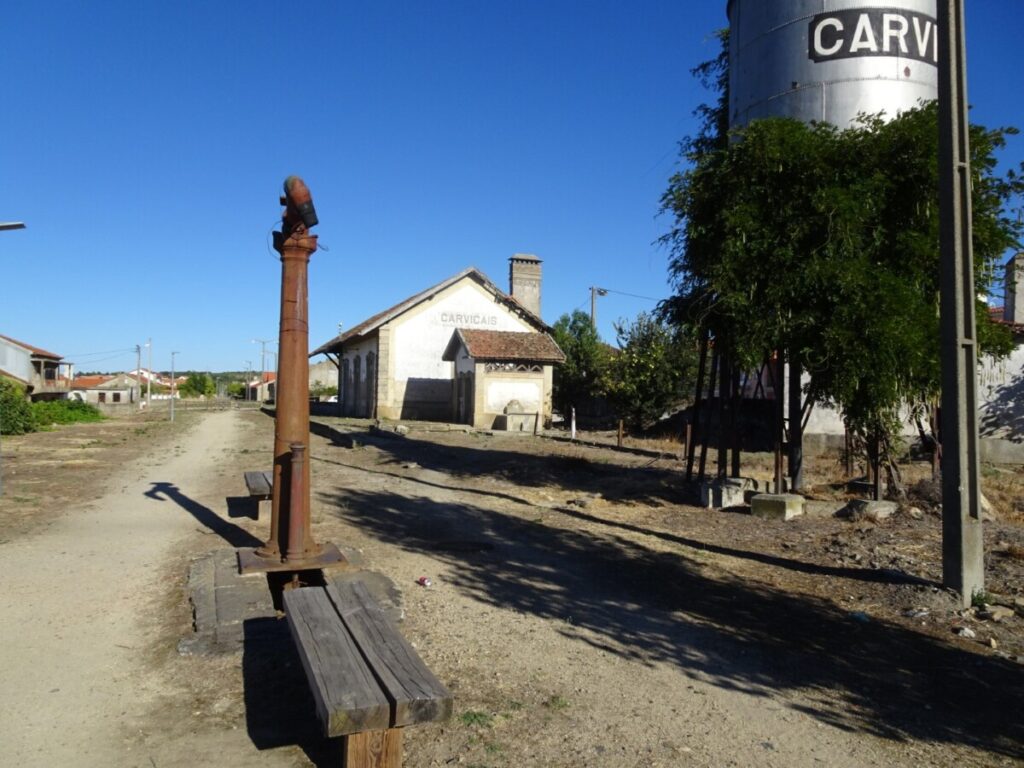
(15, 361)
(500, 392)
(420, 383)
(1000, 410)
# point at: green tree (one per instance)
(824, 243)
(197, 385)
(581, 377)
(16, 417)
(652, 370)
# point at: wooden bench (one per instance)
(260, 486)
(367, 681)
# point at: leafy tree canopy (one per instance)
(651, 372)
(824, 243)
(581, 376)
(198, 384)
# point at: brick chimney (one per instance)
(524, 280)
(1013, 298)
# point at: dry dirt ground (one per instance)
(581, 612)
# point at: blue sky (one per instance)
(145, 143)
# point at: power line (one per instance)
(632, 295)
(105, 352)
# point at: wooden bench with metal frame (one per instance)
(367, 681)
(260, 486)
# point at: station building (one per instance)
(461, 351)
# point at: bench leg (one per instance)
(373, 749)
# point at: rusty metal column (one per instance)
(291, 546)
(292, 423)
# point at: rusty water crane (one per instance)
(291, 546)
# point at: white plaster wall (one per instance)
(360, 350)
(1000, 402)
(464, 363)
(1001, 397)
(15, 360)
(419, 338)
(529, 393)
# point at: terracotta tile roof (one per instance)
(506, 346)
(373, 323)
(34, 350)
(89, 382)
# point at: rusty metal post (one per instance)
(291, 545)
(298, 518)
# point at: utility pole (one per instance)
(138, 374)
(4, 226)
(594, 293)
(149, 374)
(963, 567)
(172, 384)
(263, 362)
(248, 378)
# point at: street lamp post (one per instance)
(172, 384)
(263, 364)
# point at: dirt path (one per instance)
(77, 602)
(581, 613)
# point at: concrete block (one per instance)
(875, 511)
(777, 506)
(726, 491)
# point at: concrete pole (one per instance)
(172, 384)
(138, 375)
(149, 377)
(962, 546)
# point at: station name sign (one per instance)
(855, 33)
(463, 319)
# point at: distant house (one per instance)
(264, 390)
(45, 375)
(106, 389)
(395, 364)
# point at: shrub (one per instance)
(64, 412)
(16, 417)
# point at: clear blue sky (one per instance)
(145, 143)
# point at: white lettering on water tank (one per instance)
(875, 32)
(833, 49)
(894, 25)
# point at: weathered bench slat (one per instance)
(416, 695)
(259, 483)
(348, 697)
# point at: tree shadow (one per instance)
(656, 607)
(524, 468)
(234, 535)
(1003, 415)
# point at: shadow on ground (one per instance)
(279, 709)
(655, 607)
(498, 458)
(234, 535)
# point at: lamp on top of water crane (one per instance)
(298, 198)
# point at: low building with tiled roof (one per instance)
(120, 389)
(392, 365)
(502, 379)
(44, 374)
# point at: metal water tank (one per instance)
(829, 60)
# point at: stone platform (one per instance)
(229, 609)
